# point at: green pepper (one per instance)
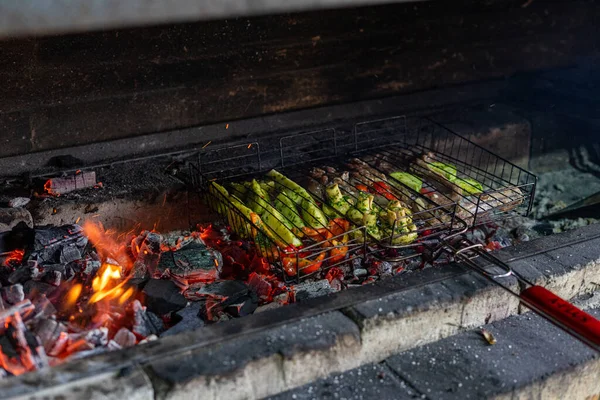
(312, 215)
(408, 179)
(469, 185)
(257, 198)
(239, 189)
(277, 223)
(448, 171)
(293, 186)
(287, 207)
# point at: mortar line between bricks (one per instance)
(408, 383)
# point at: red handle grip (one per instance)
(584, 324)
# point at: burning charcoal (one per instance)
(19, 202)
(163, 296)
(193, 262)
(242, 307)
(221, 290)
(48, 331)
(147, 249)
(21, 274)
(69, 254)
(145, 323)
(32, 288)
(188, 320)
(267, 307)
(360, 272)
(125, 338)
(58, 186)
(260, 286)
(97, 337)
(53, 278)
(30, 351)
(309, 290)
(112, 345)
(78, 345)
(89, 266)
(150, 338)
(48, 242)
(60, 345)
(11, 217)
(13, 294)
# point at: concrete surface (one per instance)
(532, 359)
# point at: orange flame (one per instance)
(106, 244)
(110, 280)
(72, 295)
(106, 284)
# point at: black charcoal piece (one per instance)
(20, 275)
(48, 331)
(244, 306)
(187, 320)
(13, 294)
(33, 288)
(53, 278)
(222, 290)
(309, 290)
(47, 243)
(145, 323)
(69, 254)
(163, 296)
(194, 260)
(43, 307)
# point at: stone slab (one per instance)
(529, 351)
(369, 382)
(262, 364)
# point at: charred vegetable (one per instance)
(469, 185)
(298, 192)
(312, 215)
(336, 200)
(257, 198)
(286, 206)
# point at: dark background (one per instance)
(61, 91)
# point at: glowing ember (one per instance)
(14, 257)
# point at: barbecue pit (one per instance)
(136, 223)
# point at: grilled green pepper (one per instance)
(284, 181)
(312, 215)
(469, 185)
(277, 223)
(257, 198)
(287, 207)
(408, 179)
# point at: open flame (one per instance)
(108, 285)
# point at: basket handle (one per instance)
(577, 321)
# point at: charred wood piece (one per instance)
(62, 185)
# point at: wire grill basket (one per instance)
(480, 186)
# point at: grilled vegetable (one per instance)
(301, 193)
(447, 171)
(221, 194)
(312, 215)
(257, 198)
(408, 179)
(239, 189)
(287, 207)
(291, 264)
(370, 222)
(338, 251)
(469, 185)
(277, 223)
(336, 200)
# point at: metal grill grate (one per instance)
(367, 156)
